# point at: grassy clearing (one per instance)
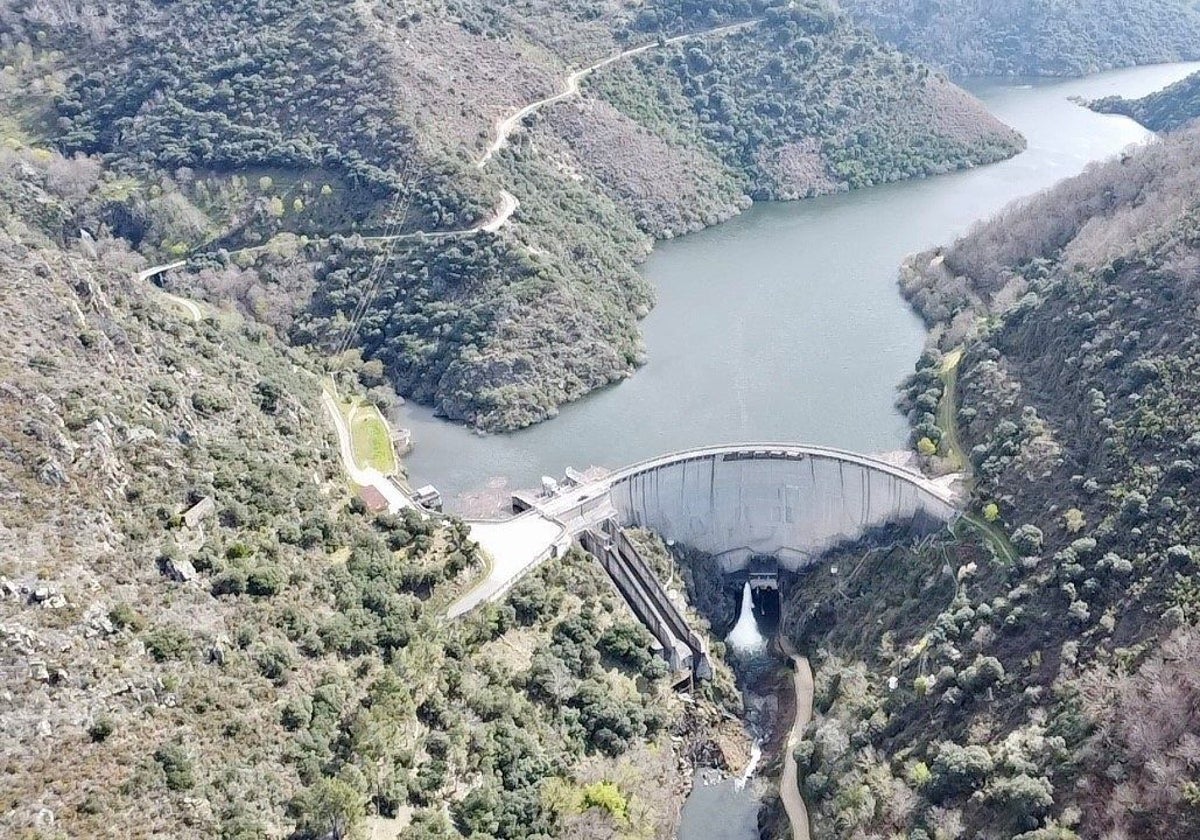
(994, 536)
(371, 438)
(947, 414)
(956, 455)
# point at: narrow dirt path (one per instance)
(396, 498)
(508, 203)
(190, 306)
(505, 208)
(508, 206)
(947, 415)
(509, 124)
(789, 782)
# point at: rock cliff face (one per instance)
(710, 591)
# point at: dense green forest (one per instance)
(1034, 38)
(314, 122)
(671, 17)
(1034, 675)
(261, 85)
(283, 668)
(1166, 110)
(889, 119)
(283, 665)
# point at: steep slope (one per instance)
(1034, 674)
(1032, 38)
(278, 665)
(316, 118)
(867, 114)
(1165, 110)
(657, 146)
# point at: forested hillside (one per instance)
(280, 666)
(1165, 110)
(323, 121)
(1035, 675)
(1035, 38)
(669, 142)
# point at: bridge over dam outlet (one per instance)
(738, 503)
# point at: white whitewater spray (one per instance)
(744, 638)
(746, 641)
(751, 765)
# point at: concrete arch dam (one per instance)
(792, 502)
(734, 502)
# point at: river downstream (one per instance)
(786, 323)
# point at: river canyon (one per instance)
(783, 324)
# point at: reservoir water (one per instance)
(786, 323)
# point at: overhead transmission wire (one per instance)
(395, 224)
(372, 277)
(381, 262)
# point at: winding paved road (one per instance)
(365, 477)
(509, 124)
(514, 546)
(789, 782)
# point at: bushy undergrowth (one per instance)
(317, 120)
(1075, 403)
(284, 663)
(1165, 110)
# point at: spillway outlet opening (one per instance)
(766, 611)
(765, 606)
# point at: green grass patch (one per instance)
(371, 438)
(956, 454)
(993, 535)
(118, 188)
(947, 415)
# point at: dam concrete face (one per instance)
(790, 502)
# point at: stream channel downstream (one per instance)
(784, 324)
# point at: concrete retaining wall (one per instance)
(682, 647)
